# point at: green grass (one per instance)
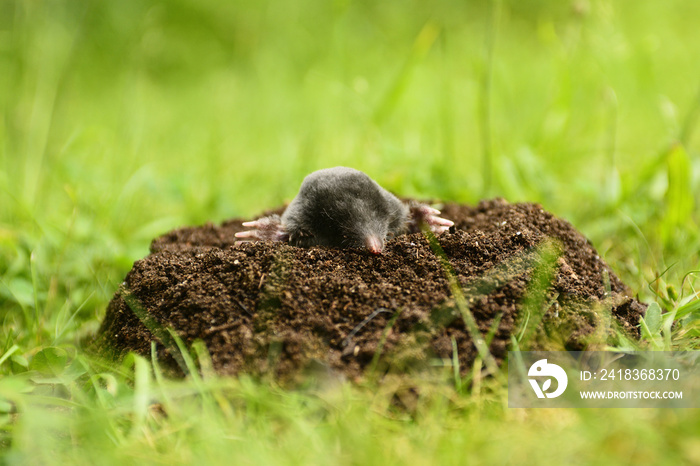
(121, 120)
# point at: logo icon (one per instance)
(543, 369)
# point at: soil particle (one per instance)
(270, 309)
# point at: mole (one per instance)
(342, 207)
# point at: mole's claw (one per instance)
(433, 220)
(247, 233)
(422, 214)
(438, 229)
(264, 229)
(438, 224)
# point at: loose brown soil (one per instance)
(270, 308)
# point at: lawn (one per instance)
(123, 120)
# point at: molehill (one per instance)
(270, 309)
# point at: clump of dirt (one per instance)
(270, 308)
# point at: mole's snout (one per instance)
(374, 244)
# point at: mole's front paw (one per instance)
(264, 229)
(422, 214)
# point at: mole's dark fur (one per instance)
(343, 207)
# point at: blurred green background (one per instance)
(122, 120)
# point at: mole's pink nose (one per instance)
(374, 244)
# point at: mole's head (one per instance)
(369, 230)
(353, 223)
(344, 208)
